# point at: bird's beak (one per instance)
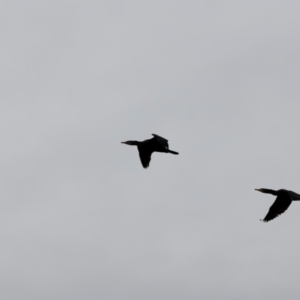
(258, 190)
(123, 142)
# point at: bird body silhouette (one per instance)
(147, 147)
(281, 204)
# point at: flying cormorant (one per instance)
(281, 204)
(147, 147)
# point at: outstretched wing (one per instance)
(145, 157)
(280, 205)
(161, 140)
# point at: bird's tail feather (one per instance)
(173, 152)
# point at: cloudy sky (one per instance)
(80, 218)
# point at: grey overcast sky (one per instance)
(80, 218)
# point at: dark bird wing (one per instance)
(145, 157)
(280, 205)
(161, 140)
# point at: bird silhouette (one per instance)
(147, 147)
(281, 204)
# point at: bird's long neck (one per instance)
(134, 143)
(268, 191)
